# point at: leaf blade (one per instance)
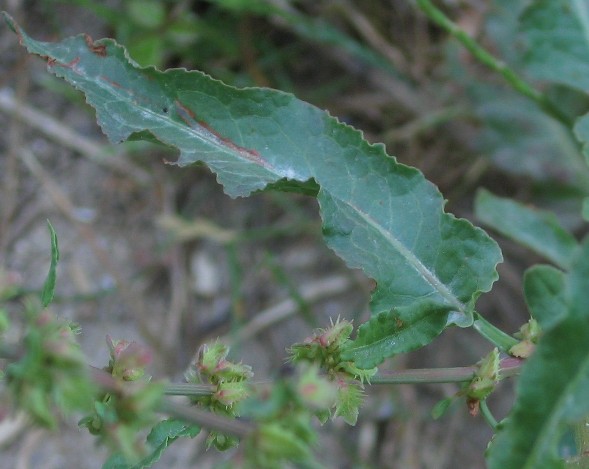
(49, 286)
(544, 291)
(252, 138)
(535, 229)
(553, 386)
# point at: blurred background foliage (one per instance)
(378, 65)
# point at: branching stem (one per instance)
(493, 334)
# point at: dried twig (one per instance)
(310, 292)
(103, 155)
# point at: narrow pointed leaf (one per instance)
(545, 296)
(379, 215)
(537, 230)
(552, 389)
(50, 281)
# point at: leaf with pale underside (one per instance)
(380, 216)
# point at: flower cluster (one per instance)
(325, 348)
(51, 375)
(130, 403)
(231, 386)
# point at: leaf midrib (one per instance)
(406, 253)
(414, 261)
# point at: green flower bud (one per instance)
(486, 377)
(316, 391)
(349, 399)
(529, 334)
(127, 359)
(209, 357)
(230, 393)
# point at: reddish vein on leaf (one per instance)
(188, 116)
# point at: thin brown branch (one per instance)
(100, 154)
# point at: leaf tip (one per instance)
(10, 22)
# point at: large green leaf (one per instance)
(557, 32)
(379, 215)
(538, 230)
(553, 387)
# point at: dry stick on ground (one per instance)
(10, 181)
(372, 37)
(100, 154)
(67, 208)
(310, 292)
(411, 99)
(172, 320)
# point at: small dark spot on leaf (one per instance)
(165, 110)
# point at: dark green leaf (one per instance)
(49, 285)
(394, 332)
(553, 387)
(537, 230)
(379, 215)
(545, 295)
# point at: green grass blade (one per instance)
(49, 285)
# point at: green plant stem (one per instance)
(487, 415)
(493, 334)
(188, 389)
(211, 421)
(517, 83)
(426, 375)
(508, 367)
